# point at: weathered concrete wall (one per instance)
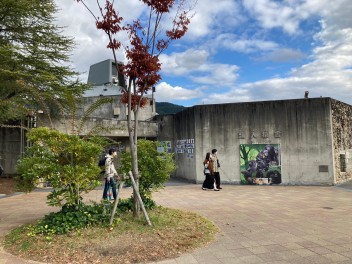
(166, 127)
(112, 115)
(166, 130)
(184, 129)
(116, 128)
(301, 127)
(342, 141)
(107, 110)
(10, 139)
(10, 149)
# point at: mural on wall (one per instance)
(260, 164)
(185, 146)
(164, 146)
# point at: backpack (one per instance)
(101, 164)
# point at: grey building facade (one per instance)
(313, 138)
(303, 141)
(106, 82)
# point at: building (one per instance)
(298, 142)
(106, 83)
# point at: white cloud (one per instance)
(286, 15)
(217, 75)
(183, 62)
(329, 74)
(216, 26)
(213, 17)
(91, 43)
(232, 42)
(283, 55)
(235, 95)
(165, 92)
(195, 65)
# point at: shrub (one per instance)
(155, 167)
(68, 162)
(72, 218)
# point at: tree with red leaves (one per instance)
(146, 42)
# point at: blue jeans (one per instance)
(107, 185)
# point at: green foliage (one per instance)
(164, 108)
(33, 60)
(68, 162)
(155, 167)
(72, 218)
(126, 205)
(174, 232)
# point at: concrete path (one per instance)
(259, 224)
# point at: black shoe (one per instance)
(219, 187)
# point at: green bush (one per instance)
(154, 167)
(73, 218)
(126, 205)
(67, 162)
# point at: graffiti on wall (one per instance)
(260, 163)
(185, 146)
(164, 146)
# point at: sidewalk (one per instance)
(259, 224)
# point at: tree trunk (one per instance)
(139, 199)
(132, 133)
(135, 172)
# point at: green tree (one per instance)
(155, 167)
(33, 60)
(149, 36)
(68, 162)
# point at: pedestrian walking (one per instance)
(216, 166)
(209, 183)
(110, 171)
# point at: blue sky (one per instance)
(238, 51)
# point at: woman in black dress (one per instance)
(209, 182)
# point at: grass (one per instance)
(174, 232)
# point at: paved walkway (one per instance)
(259, 224)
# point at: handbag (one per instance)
(206, 168)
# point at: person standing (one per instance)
(110, 172)
(209, 183)
(216, 166)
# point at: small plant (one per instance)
(72, 218)
(155, 167)
(68, 162)
(174, 232)
(126, 205)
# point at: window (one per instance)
(343, 162)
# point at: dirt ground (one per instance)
(7, 186)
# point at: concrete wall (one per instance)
(108, 110)
(342, 141)
(166, 127)
(184, 130)
(302, 128)
(114, 128)
(11, 145)
(110, 115)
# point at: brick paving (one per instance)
(258, 224)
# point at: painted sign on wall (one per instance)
(164, 146)
(185, 146)
(260, 164)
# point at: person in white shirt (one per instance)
(216, 166)
(110, 172)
